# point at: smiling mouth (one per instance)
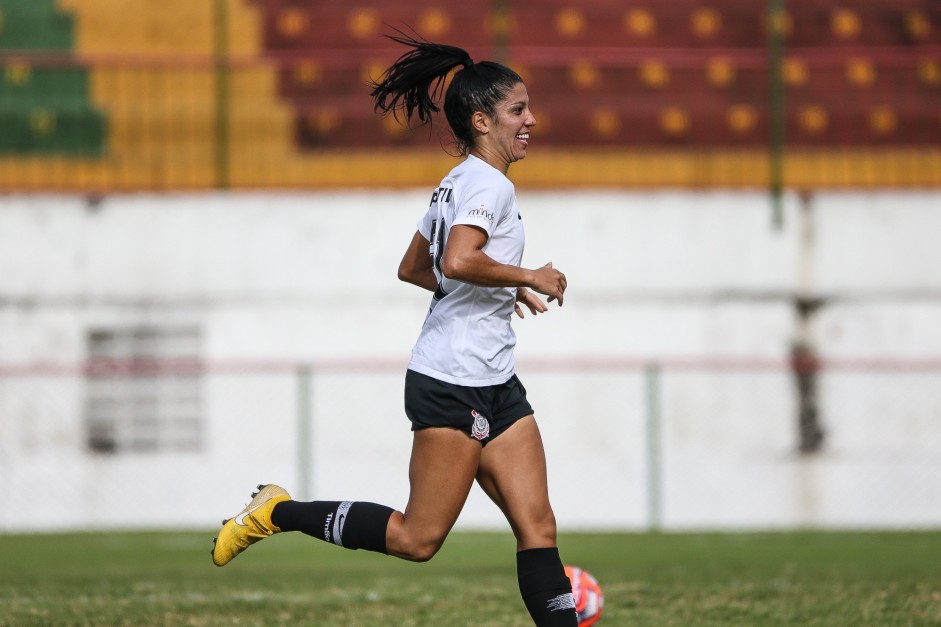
(523, 136)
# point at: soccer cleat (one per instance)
(248, 526)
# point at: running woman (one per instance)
(469, 412)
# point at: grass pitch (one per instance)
(806, 578)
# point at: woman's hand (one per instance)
(532, 302)
(465, 260)
(549, 281)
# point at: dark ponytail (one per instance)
(413, 85)
(416, 79)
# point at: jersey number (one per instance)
(437, 245)
(440, 195)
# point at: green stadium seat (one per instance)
(44, 110)
(62, 131)
(34, 25)
(22, 86)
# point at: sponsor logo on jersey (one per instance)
(481, 427)
(481, 212)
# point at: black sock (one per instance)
(353, 525)
(546, 591)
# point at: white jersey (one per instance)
(467, 338)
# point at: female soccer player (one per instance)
(469, 412)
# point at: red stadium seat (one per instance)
(686, 72)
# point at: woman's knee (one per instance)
(413, 545)
(547, 526)
(420, 549)
(537, 530)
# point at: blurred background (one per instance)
(201, 218)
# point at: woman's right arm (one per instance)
(415, 267)
(465, 260)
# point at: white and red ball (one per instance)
(589, 601)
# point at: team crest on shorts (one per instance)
(481, 427)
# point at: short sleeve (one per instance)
(485, 206)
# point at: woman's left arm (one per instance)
(532, 302)
(415, 267)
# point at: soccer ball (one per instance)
(588, 598)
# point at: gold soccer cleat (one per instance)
(249, 526)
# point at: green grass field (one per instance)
(807, 578)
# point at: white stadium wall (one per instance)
(662, 387)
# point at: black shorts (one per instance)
(482, 413)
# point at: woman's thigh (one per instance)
(443, 465)
(513, 474)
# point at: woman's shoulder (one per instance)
(476, 174)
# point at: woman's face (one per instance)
(507, 135)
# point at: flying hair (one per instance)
(415, 83)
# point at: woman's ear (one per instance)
(480, 122)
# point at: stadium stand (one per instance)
(653, 75)
(259, 93)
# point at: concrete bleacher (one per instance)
(154, 74)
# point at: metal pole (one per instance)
(654, 478)
(221, 52)
(500, 14)
(776, 27)
(304, 432)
